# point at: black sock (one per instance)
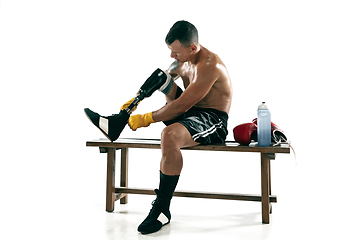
(166, 188)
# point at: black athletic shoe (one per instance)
(110, 126)
(159, 216)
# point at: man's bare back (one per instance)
(220, 94)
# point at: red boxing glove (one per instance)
(242, 132)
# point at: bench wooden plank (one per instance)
(224, 196)
(155, 144)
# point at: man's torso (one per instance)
(220, 94)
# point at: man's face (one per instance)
(179, 52)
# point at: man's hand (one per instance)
(138, 121)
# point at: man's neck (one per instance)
(197, 55)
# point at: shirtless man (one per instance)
(197, 115)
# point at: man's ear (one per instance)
(193, 47)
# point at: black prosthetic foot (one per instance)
(110, 126)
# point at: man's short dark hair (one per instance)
(183, 31)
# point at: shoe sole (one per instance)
(144, 233)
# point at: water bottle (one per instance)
(264, 126)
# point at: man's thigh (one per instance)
(177, 134)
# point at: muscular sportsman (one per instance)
(197, 115)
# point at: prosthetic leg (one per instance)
(112, 126)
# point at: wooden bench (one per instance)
(120, 193)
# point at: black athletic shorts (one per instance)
(206, 125)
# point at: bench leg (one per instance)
(265, 167)
(110, 180)
(124, 173)
(270, 210)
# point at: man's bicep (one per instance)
(194, 93)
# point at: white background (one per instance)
(59, 57)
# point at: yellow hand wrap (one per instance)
(138, 121)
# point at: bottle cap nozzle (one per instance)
(263, 106)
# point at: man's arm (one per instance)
(197, 90)
(173, 69)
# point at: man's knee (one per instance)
(176, 136)
(170, 137)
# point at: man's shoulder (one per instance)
(212, 60)
(209, 65)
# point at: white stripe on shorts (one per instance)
(207, 132)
